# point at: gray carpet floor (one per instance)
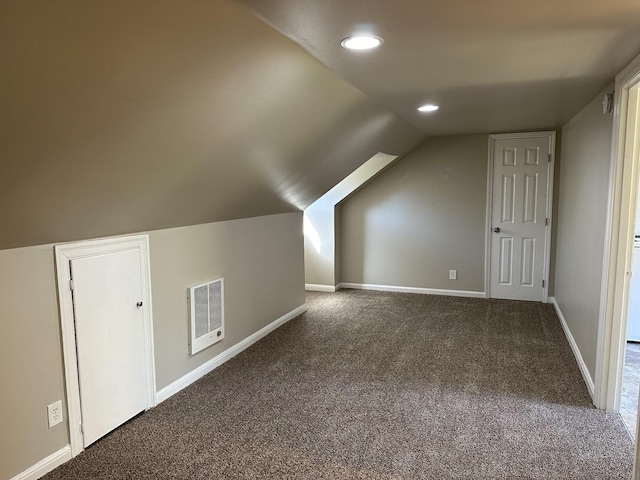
(370, 385)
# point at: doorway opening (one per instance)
(619, 245)
(631, 370)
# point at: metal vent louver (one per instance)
(206, 315)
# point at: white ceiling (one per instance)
(491, 65)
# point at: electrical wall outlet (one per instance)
(54, 411)
(453, 274)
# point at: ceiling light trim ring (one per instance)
(362, 42)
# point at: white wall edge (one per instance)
(228, 354)
(424, 291)
(313, 287)
(45, 465)
(576, 351)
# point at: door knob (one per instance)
(497, 229)
(139, 304)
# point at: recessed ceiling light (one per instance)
(361, 42)
(429, 107)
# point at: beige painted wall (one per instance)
(31, 374)
(260, 258)
(122, 116)
(420, 218)
(582, 206)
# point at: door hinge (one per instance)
(82, 429)
(546, 222)
(71, 284)
(549, 158)
(543, 283)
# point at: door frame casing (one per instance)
(65, 253)
(549, 207)
(618, 245)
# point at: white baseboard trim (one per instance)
(228, 354)
(424, 291)
(576, 351)
(45, 465)
(313, 287)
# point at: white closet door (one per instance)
(110, 336)
(518, 217)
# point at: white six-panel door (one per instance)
(110, 340)
(519, 215)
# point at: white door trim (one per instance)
(64, 254)
(547, 241)
(618, 244)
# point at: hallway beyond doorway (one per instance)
(630, 387)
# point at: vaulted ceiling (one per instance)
(491, 65)
(123, 116)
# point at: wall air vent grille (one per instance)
(206, 315)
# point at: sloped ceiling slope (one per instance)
(491, 65)
(122, 116)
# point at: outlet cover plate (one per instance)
(453, 274)
(54, 412)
